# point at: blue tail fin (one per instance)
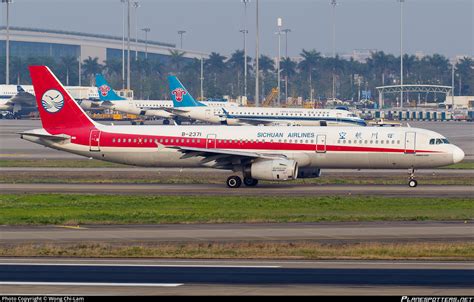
(106, 93)
(180, 96)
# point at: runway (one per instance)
(201, 277)
(321, 232)
(281, 189)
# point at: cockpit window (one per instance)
(438, 141)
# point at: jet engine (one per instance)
(274, 169)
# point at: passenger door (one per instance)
(208, 114)
(321, 143)
(94, 140)
(410, 143)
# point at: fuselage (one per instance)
(154, 107)
(320, 147)
(276, 116)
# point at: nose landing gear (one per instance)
(412, 181)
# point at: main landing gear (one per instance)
(235, 181)
(412, 181)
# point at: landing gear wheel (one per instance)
(250, 182)
(234, 181)
(166, 122)
(411, 181)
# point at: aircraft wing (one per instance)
(253, 121)
(174, 110)
(225, 159)
(247, 120)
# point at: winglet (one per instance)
(180, 96)
(106, 93)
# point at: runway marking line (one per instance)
(140, 265)
(94, 284)
(72, 227)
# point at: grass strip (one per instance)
(73, 209)
(252, 250)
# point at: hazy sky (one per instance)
(431, 26)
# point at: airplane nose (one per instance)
(458, 155)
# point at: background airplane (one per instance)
(259, 153)
(186, 106)
(20, 99)
(111, 100)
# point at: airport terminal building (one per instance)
(33, 42)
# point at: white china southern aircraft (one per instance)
(259, 153)
(111, 100)
(186, 106)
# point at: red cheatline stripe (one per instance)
(138, 141)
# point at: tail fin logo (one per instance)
(52, 101)
(179, 93)
(104, 90)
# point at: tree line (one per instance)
(310, 76)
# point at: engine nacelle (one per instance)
(309, 172)
(274, 169)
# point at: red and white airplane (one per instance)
(259, 153)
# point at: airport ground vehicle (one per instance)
(259, 153)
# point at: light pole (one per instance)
(146, 30)
(257, 53)
(136, 5)
(452, 86)
(334, 3)
(401, 52)
(279, 24)
(202, 79)
(123, 42)
(181, 33)
(7, 45)
(128, 44)
(245, 32)
(286, 31)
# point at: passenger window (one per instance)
(113, 140)
(119, 140)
